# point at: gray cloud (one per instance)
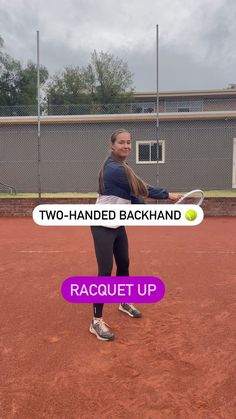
(196, 43)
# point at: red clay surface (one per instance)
(178, 361)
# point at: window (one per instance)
(146, 152)
(183, 108)
(143, 107)
(187, 105)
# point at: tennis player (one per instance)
(118, 184)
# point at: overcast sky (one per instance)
(197, 38)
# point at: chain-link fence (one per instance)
(196, 150)
(81, 109)
(166, 105)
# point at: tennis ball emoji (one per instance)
(191, 215)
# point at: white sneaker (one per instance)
(100, 329)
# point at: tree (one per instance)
(27, 86)
(112, 77)
(18, 85)
(65, 90)
(9, 73)
(105, 80)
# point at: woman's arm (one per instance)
(135, 200)
(157, 192)
(161, 193)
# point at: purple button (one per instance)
(113, 289)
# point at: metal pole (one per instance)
(157, 101)
(38, 91)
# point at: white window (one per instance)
(143, 107)
(194, 105)
(146, 152)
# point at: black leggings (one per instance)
(109, 242)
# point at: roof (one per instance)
(188, 93)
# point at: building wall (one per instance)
(205, 103)
(220, 104)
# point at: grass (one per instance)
(224, 193)
(50, 195)
(230, 193)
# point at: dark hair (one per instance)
(137, 186)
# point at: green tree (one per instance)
(112, 77)
(27, 84)
(18, 85)
(9, 70)
(106, 80)
(65, 90)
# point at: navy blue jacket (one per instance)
(116, 183)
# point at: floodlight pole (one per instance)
(157, 100)
(39, 131)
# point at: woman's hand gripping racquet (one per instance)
(194, 197)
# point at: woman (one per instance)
(118, 184)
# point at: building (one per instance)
(185, 101)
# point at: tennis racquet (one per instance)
(194, 197)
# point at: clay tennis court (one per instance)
(178, 361)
